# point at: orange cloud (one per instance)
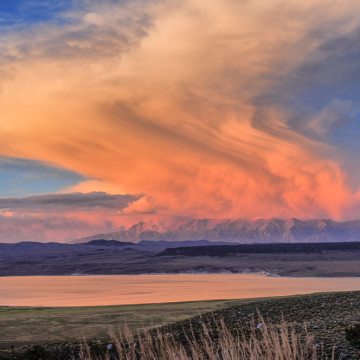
(171, 100)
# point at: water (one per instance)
(140, 289)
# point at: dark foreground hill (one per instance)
(223, 250)
(325, 315)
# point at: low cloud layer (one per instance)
(62, 217)
(51, 228)
(94, 201)
(211, 109)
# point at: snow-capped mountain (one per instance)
(239, 231)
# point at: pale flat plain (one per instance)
(32, 325)
(107, 290)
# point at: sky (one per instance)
(121, 111)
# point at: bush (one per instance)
(352, 335)
(37, 352)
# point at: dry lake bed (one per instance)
(103, 290)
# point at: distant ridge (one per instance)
(223, 250)
(261, 230)
(103, 242)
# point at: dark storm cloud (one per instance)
(68, 202)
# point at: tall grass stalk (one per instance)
(259, 342)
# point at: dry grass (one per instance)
(21, 326)
(259, 342)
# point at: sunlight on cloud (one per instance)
(190, 103)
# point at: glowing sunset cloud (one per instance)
(197, 108)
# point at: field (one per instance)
(31, 325)
(325, 315)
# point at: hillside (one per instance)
(224, 250)
(326, 315)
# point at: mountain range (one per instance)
(260, 230)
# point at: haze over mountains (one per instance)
(261, 230)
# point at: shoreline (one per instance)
(156, 274)
(170, 303)
(260, 273)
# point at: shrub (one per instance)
(352, 335)
(37, 352)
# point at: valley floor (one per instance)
(126, 261)
(326, 315)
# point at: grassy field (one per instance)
(32, 325)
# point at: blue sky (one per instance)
(21, 177)
(22, 13)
